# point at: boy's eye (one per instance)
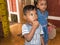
(45, 3)
(42, 4)
(31, 14)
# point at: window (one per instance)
(13, 11)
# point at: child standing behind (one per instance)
(41, 6)
(31, 30)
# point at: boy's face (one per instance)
(42, 5)
(31, 16)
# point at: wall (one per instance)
(54, 10)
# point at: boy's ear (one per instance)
(24, 17)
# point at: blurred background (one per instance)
(11, 20)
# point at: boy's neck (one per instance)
(29, 23)
(42, 11)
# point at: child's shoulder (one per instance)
(25, 25)
(46, 11)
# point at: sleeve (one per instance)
(41, 30)
(24, 29)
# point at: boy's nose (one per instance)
(36, 17)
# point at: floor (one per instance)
(16, 39)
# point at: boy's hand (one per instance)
(35, 24)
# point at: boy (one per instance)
(31, 30)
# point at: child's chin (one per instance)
(36, 20)
(43, 10)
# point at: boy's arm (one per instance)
(29, 36)
(42, 40)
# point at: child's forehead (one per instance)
(31, 11)
(41, 1)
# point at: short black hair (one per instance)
(35, 2)
(28, 8)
